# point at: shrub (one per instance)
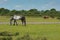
(6, 38)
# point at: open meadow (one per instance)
(30, 19)
(50, 31)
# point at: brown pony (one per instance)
(45, 17)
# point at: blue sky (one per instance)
(30, 4)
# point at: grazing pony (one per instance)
(14, 18)
(46, 17)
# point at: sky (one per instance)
(30, 4)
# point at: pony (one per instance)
(45, 17)
(14, 19)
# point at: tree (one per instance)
(53, 13)
(4, 11)
(47, 12)
(23, 12)
(12, 12)
(34, 12)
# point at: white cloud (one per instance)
(17, 7)
(49, 5)
(3, 1)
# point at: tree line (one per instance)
(32, 12)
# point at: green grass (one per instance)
(51, 31)
(30, 19)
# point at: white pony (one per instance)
(16, 17)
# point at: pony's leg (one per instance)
(23, 22)
(11, 22)
(14, 22)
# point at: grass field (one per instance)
(30, 19)
(50, 31)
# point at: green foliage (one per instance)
(32, 12)
(6, 38)
(28, 37)
(35, 31)
(5, 33)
